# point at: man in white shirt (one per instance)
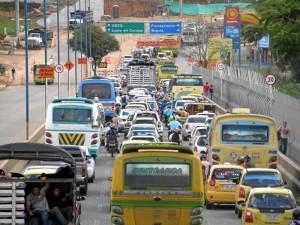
(119, 99)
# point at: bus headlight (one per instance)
(116, 220)
(197, 211)
(197, 221)
(117, 210)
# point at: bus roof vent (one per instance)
(241, 111)
(73, 100)
(159, 146)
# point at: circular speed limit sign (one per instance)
(270, 79)
(220, 66)
(59, 68)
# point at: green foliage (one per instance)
(280, 20)
(2, 69)
(102, 42)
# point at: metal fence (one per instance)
(239, 87)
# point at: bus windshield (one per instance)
(71, 115)
(245, 133)
(187, 82)
(169, 69)
(90, 91)
(143, 175)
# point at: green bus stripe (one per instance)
(151, 203)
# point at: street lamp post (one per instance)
(257, 51)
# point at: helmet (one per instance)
(112, 126)
(203, 157)
(107, 124)
(247, 158)
(296, 214)
(240, 160)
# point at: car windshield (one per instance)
(226, 173)
(262, 179)
(271, 201)
(151, 139)
(161, 55)
(150, 88)
(196, 119)
(153, 115)
(125, 113)
(153, 105)
(143, 133)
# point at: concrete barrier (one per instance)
(18, 166)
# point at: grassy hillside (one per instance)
(10, 25)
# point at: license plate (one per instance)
(272, 216)
(228, 186)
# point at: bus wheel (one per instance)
(208, 205)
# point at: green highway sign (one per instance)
(125, 27)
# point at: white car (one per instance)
(198, 131)
(141, 89)
(190, 123)
(180, 103)
(90, 163)
(200, 145)
(152, 114)
(206, 113)
(144, 127)
(127, 58)
(123, 117)
(144, 138)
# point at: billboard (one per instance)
(232, 15)
(219, 50)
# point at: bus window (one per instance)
(72, 115)
(102, 91)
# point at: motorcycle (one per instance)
(112, 147)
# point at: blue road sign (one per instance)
(165, 28)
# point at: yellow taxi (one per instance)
(255, 178)
(169, 54)
(159, 56)
(219, 188)
(132, 143)
(268, 206)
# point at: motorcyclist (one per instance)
(163, 105)
(176, 136)
(111, 136)
(168, 112)
(176, 117)
(296, 217)
(160, 94)
(174, 124)
(248, 162)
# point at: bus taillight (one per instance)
(273, 159)
(95, 135)
(48, 134)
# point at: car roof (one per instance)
(142, 136)
(47, 169)
(143, 125)
(262, 170)
(144, 118)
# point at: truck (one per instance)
(16, 185)
(140, 72)
(36, 72)
(80, 17)
(36, 38)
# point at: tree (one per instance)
(280, 20)
(102, 43)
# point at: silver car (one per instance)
(123, 117)
(191, 122)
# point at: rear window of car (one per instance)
(202, 142)
(262, 179)
(151, 139)
(201, 132)
(271, 201)
(153, 115)
(143, 128)
(116, 85)
(226, 173)
(125, 113)
(196, 120)
(144, 122)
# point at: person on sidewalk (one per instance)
(13, 73)
(211, 92)
(206, 89)
(284, 134)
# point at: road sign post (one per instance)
(165, 28)
(125, 27)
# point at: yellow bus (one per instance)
(240, 133)
(36, 72)
(157, 183)
(185, 84)
(166, 71)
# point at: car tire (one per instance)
(240, 214)
(91, 180)
(208, 205)
(83, 191)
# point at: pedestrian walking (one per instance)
(206, 89)
(13, 73)
(284, 134)
(211, 92)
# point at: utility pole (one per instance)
(17, 18)
(181, 7)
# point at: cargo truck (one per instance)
(80, 17)
(36, 38)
